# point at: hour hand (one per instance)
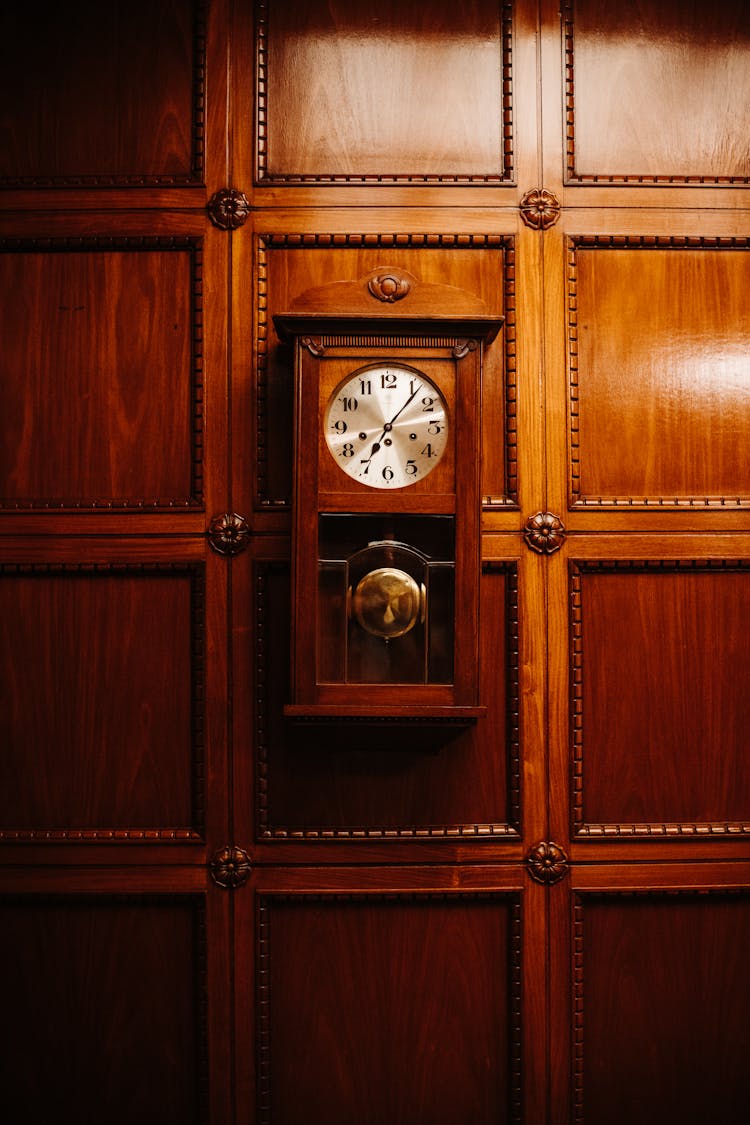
(366, 460)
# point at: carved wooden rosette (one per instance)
(540, 209)
(546, 862)
(230, 867)
(544, 532)
(228, 209)
(228, 533)
(391, 286)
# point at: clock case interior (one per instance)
(385, 582)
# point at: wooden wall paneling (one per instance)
(652, 659)
(558, 716)
(551, 313)
(561, 1063)
(85, 396)
(128, 90)
(483, 927)
(657, 344)
(646, 384)
(656, 722)
(659, 1032)
(525, 335)
(389, 1006)
(498, 549)
(460, 894)
(650, 93)
(621, 133)
(115, 618)
(114, 701)
(654, 203)
(111, 990)
(623, 983)
(103, 700)
(425, 98)
(471, 143)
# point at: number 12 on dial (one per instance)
(386, 426)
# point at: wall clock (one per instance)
(386, 549)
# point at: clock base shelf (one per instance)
(403, 715)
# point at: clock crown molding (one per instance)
(387, 299)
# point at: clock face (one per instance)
(387, 426)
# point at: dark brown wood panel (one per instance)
(658, 356)
(102, 374)
(290, 264)
(416, 95)
(104, 1006)
(660, 663)
(348, 782)
(387, 977)
(660, 1028)
(386, 1009)
(102, 95)
(653, 90)
(102, 701)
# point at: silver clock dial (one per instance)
(387, 426)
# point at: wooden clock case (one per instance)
(429, 529)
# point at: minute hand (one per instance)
(389, 426)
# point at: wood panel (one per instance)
(657, 721)
(652, 92)
(127, 85)
(405, 964)
(658, 344)
(289, 264)
(105, 1008)
(104, 363)
(414, 96)
(660, 1028)
(345, 782)
(101, 701)
(389, 1008)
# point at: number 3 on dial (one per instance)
(387, 426)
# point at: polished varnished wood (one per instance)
(658, 340)
(127, 92)
(102, 700)
(652, 91)
(658, 1038)
(410, 1008)
(348, 98)
(108, 1004)
(393, 955)
(668, 747)
(105, 360)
